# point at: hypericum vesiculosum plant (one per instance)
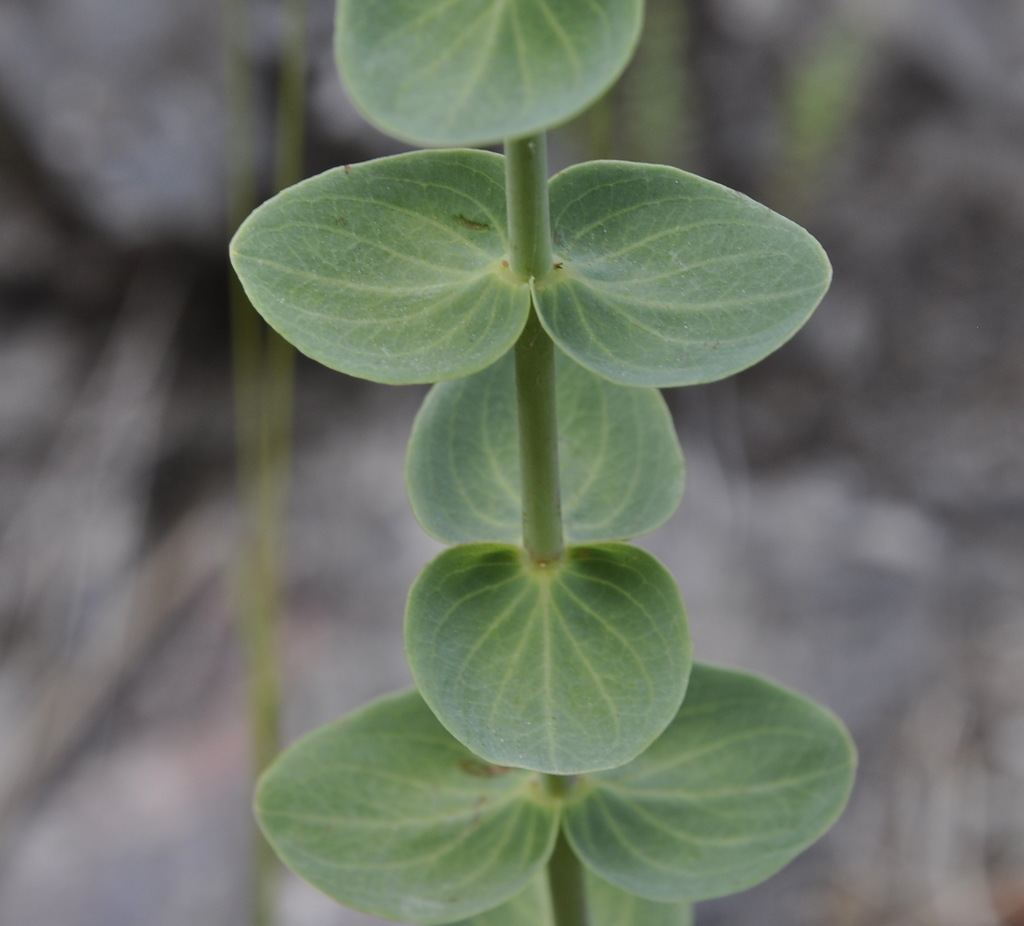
(561, 762)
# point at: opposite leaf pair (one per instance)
(571, 666)
(387, 812)
(396, 271)
(435, 806)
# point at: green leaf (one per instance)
(607, 905)
(745, 778)
(667, 279)
(530, 907)
(385, 812)
(621, 466)
(611, 906)
(389, 270)
(472, 72)
(567, 668)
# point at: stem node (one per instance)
(529, 234)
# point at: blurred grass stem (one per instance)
(263, 373)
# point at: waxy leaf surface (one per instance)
(620, 463)
(530, 907)
(472, 72)
(667, 279)
(612, 906)
(607, 905)
(389, 270)
(564, 669)
(385, 812)
(745, 777)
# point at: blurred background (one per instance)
(853, 525)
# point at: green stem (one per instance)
(254, 607)
(529, 213)
(565, 878)
(565, 874)
(529, 229)
(538, 443)
(263, 386)
(529, 232)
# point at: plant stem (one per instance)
(529, 231)
(529, 212)
(565, 874)
(262, 364)
(565, 878)
(538, 443)
(255, 593)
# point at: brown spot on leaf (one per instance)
(483, 769)
(470, 224)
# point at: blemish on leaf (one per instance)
(483, 769)
(504, 263)
(559, 265)
(340, 220)
(478, 808)
(470, 224)
(347, 168)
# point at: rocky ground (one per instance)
(853, 524)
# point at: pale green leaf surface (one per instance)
(389, 270)
(608, 905)
(530, 907)
(668, 279)
(620, 463)
(746, 776)
(473, 72)
(385, 812)
(564, 669)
